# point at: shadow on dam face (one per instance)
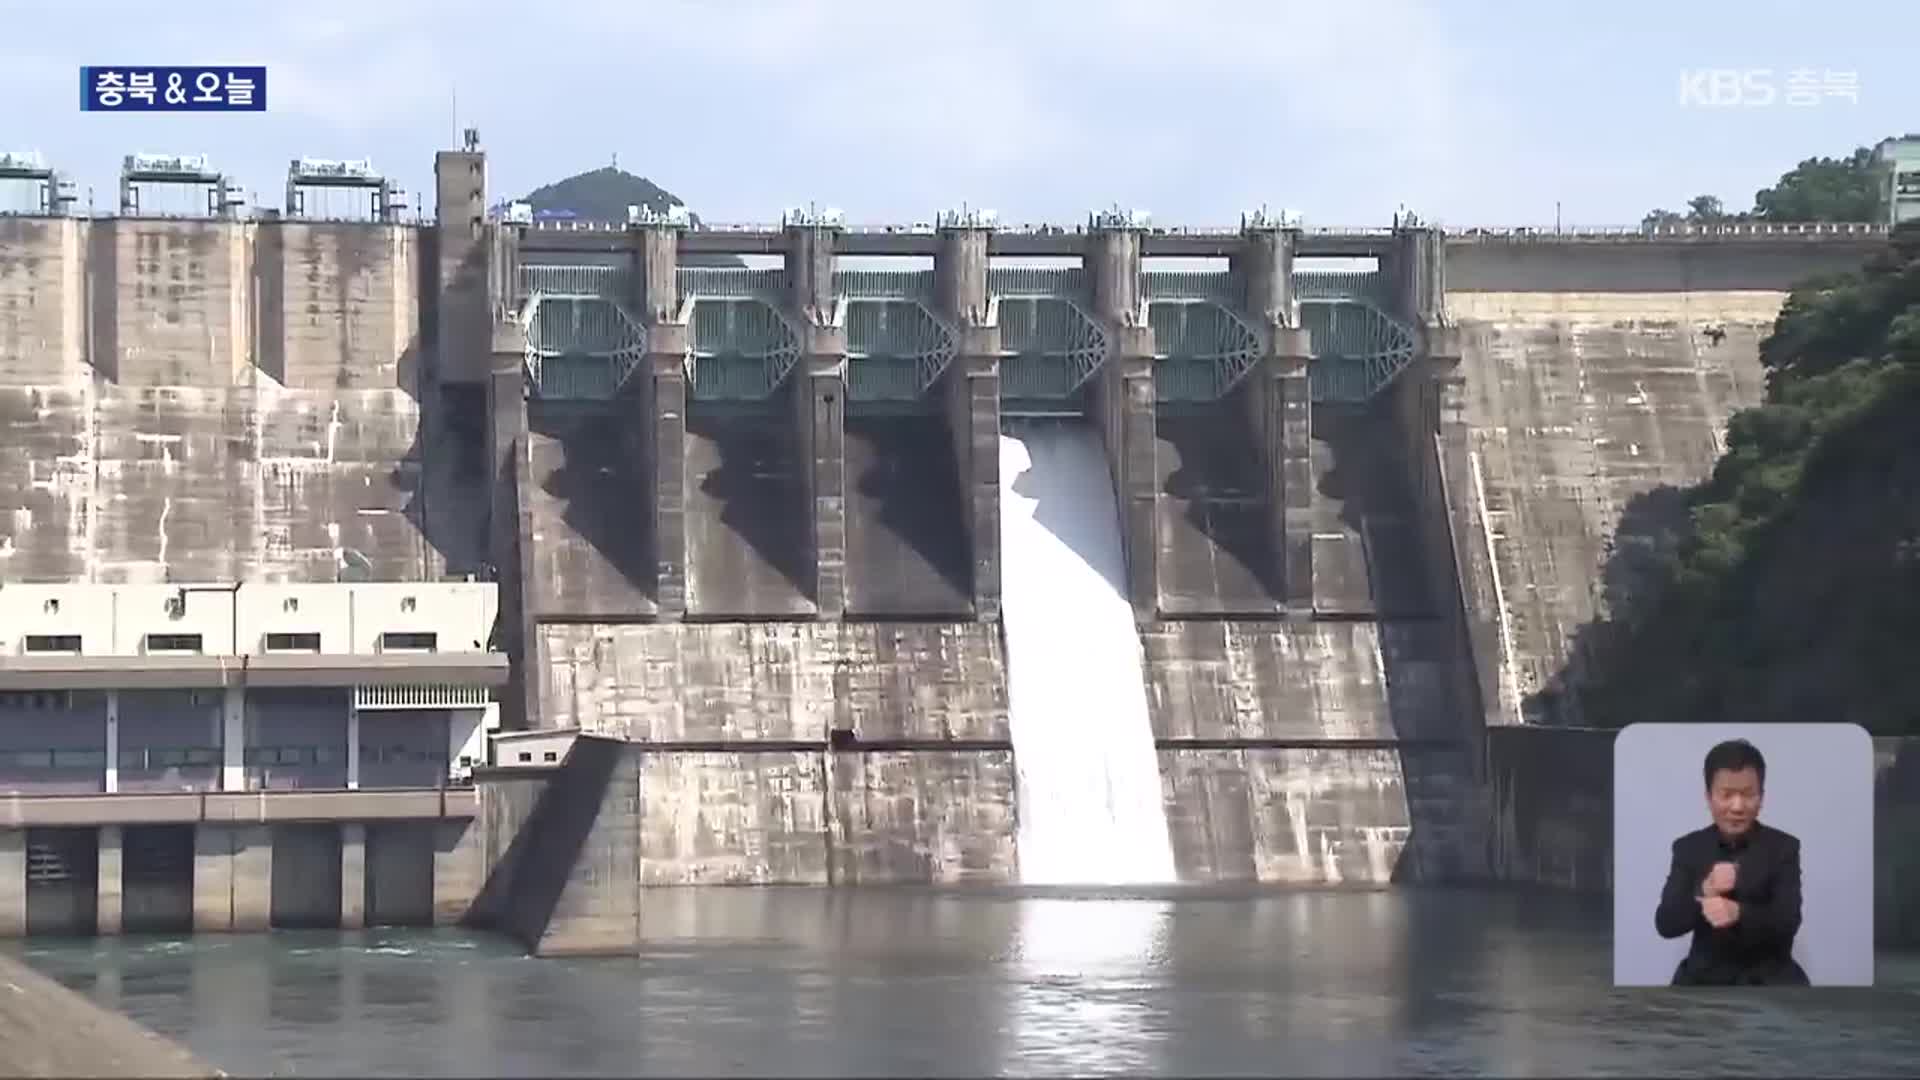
(748, 542)
(1367, 557)
(907, 551)
(593, 549)
(1216, 551)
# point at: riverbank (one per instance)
(47, 1030)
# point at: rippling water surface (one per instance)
(811, 982)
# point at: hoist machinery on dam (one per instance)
(564, 559)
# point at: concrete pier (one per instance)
(13, 883)
(107, 909)
(353, 876)
(1280, 410)
(233, 878)
(1122, 403)
(971, 392)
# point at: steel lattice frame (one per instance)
(575, 312)
(889, 318)
(1041, 318)
(593, 327)
(736, 313)
(1195, 321)
(1359, 348)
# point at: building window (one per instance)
(53, 643)
(170, 643)
(306, 643)
(409, 641)
(36, 699)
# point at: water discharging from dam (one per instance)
(1088, 777)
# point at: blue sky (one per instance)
(1468, 111)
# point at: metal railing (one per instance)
(1726, 229)
(423, 219)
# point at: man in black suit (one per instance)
(1734, 885)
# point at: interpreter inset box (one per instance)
(1743, 855)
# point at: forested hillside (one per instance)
(1793, 590)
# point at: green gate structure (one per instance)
(582, 343)
(1358, 348)
(1202, 347)
(743, 346)
(1051, 345)
(897, 348)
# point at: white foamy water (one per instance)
(1089, 780)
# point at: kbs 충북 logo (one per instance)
(1720, 88)
(173, 89)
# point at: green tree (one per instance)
(1791, 589)
(1701, 210)
(1819, 189)
(1706, 210)
(1824, 189)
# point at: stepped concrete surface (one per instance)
(48, 1030)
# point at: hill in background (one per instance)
(604, 195)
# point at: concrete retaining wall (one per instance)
(618, 817)
(1587, 415)
(1298, 680)
(1253, 721)
(1553, 824)
(1323, 815)
(773, 681)
(47, 1030)
(195, 400)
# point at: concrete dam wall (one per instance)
(1322, 731)
(777, 616)
(1332, 748)
(223, 401)
(1306, 751)
(1596, 383)
(792, 608)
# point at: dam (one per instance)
(497, 570)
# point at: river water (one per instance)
(787, 982)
